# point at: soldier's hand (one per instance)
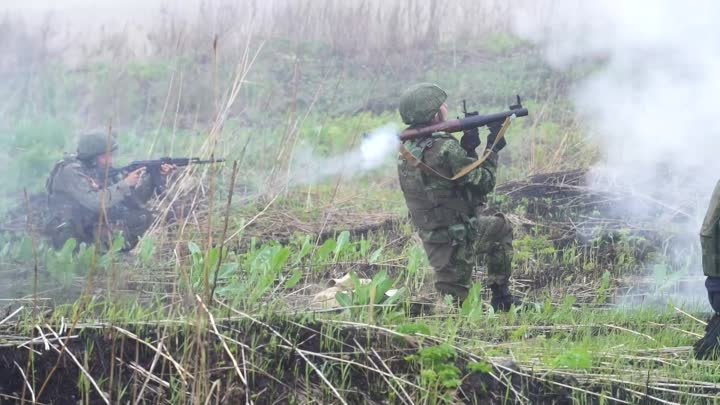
(470, 140)
(166, 169)
(494, 131)
(133, 178)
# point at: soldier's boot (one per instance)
(502, 299)
(708, 347)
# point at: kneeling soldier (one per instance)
(88, 201)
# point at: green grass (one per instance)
(268, 273)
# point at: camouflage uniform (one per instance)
(455, 228)
(710, 243)
(709, 346)
(78, 194)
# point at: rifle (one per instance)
(471, 121)
(153, 165)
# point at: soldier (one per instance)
(88, 201)
(451, 218)
(709, 345)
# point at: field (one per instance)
(225, 299)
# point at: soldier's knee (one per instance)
(505, 228)
(486, 225)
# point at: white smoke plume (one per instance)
(653, 103)
(652, 98)
(375, 149)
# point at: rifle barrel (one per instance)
(462, 124)
(207, 161)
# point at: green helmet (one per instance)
(420, 103)
(94, 144)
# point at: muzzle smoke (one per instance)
(375, 149)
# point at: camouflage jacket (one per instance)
(84, 187)
(435, 202)
(710, 236)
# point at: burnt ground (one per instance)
(282, 361)
(604, 227)
(367, 366)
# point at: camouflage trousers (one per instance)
(456, 251)
(132, 223)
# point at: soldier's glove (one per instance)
(494, 128)
(470, 140)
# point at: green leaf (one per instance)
(227, 270)
(305, 248)
(362, 292)
(472, 304)
(381, 284)
(279, 259)
(147, 249)
(480, 367)
(375, 255)
(413, 328)
(118, 243)
(343, 240)
(364, 247)
(397, 297)
(193, 248)
(324, 250)
(344, 299)
(294, 279)
(428, 376)
(212, 257)
(69, 246)
(576, 358)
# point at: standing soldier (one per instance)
(451, 218)
(86, 197)
(709, 345)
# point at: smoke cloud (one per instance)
(652, 105)
(651, 98)
(375, 149)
